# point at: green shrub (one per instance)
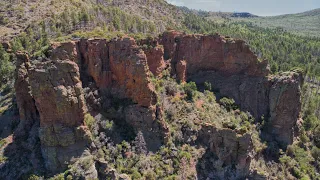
(135, 174)
(190, 90)
(6, 66)
(150, 175)
(2, 143)
(228, 103)
(33, 177)
(310, 122)
(244, 116)
(89, 120)
(207, 86)
(109, 125)
(315, 152)
(316, 136)
(2, 159)
(4, 20)
(210, 96)
(297, 173)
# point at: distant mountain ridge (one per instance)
(305, 23)
(243, 15)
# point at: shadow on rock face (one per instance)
(23, 154)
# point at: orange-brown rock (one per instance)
(52, 88)
(236, 72)
(155, 59)
(95, 59)
(57, 91)
(119, 66)
(131, 74)
(181, 69)
(212, 53)
(168, 40)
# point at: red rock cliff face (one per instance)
(130, 70)
(285, 105)
(52, 90)
(212, 53)
(121, 66)
(235, 71)
(95, 56)
(57, 91)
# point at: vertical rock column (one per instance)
(25, 101)
(131, 75)
(285, 106)
(57, 91)
(155, 59)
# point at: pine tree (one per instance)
(140, 144)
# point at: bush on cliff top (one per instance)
(6, 66)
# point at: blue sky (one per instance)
(258, 7)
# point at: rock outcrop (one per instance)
(57, 91)
(26, 104)
(121, 68)
(181, 69)
(24, 152)
(285, 105)
(130, 71)
(155, 59)
(235, 71)
(51, 91)
(94, 57)
(234, 152)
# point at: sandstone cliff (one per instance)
(54, 95)
(51, 90)
(235, 71)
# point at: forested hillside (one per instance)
(304, 24)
